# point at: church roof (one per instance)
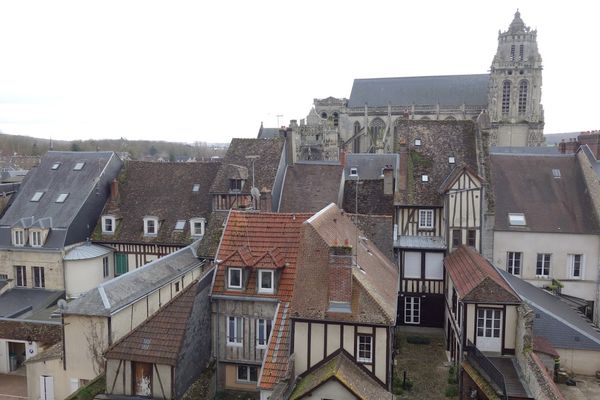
(421, 90)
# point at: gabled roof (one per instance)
(308, 187)
(475, 279)
(341, 367)
(445, 90)
(276, 361)
(456, 173)
(164, 190)
(269, 152)
(267, 133)
(250, 238)
(374, 277)
(439, 140)
(526, 184)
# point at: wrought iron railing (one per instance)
(486, 366)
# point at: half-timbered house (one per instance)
(437, 208)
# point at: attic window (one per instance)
(353, 171)
(516, 219)
(62, 197)
(55, 165)
(179, 225)
(196, 187)
(150, 226)
(417, 142)
(235, 185)
(424, 178)
(451, 160)
(78, 166)
(108, 224)
(556, 173)
(37, 196)
(197, 226)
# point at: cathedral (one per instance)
(506, 102)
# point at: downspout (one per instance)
(217, 346)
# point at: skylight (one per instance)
(417, 142)
(556, 173)
(424, 178)
(196, 187)
(353, 171)
(179, 225)
(516, 219)
(62, 197)
(451, 160)
(37, 196)
(55, 165)
(78, 166)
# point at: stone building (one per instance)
(508, 98)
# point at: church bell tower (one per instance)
(514, 105)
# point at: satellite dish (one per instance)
(62, 304)
(255, 193)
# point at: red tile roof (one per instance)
(475, 278)
(275, 364)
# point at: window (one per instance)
(365, 348)
(197, 226)
(177, 287)
(512, 52)
(513, 263)
(576, 265)
(417, 142)
(78, 166)
(121, 264)
(35, 238)
(235, 185)
(353, 171)
(105, 271)
(434, 266)
(556, 173)
(424, 178)
(521, 52)
(263, 330)
(517, 219)
(523, 87)
(234, 278)
(179, 225)
(38, 277)
(55, 166)
(412, 264)
(451, 160)
(543, 265)
(196, 187)
(18, 237)
(472, 237)
(20, 276)
(3, 277)
(425, 219)
(454, 302)
(488, 322)
(266, 282)
(247, 373)
(377, 127)
(235, 331)
(150, 226)
(62, 197)
(456, 237)
(336, 119)
(108, 224)
(37, 196)
(505, 97)
(412, 310)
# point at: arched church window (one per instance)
(377, 127)
(521, 52)
(505, 97)
(336, 119)
(523, 88)
(324, 115)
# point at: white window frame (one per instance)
(35, 238)
(353, 171)
(414, 303)
(19, 237)
(112, 220)
(235, 338)
(571, 260)
(424, 178)
(41, 277)
(260, 280)
(367, 342)
(20, 270)
(424, 216)
(147, 221)
(510, 262)
(105, 267)
(264, 326)
(486, 319)
(193, 230)
(229, 271)
(546, 265)
(248, 374)
(517, 219)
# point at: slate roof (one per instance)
(475, 279)
(158, 339)
(309, 187)
(369, 165)
(25, 303)
(378, 228)
(445, 90)
(537, 150)
(525, 184)
(265, 166)
(116, 293)
(214, 230)
(163, 190)
(374, 278)
(260, 239)
(87, 189)
(341, 367)
(439, 141)
(563, 326)
(371, 198)
(86, 251)
(267, 133)
(275, 363)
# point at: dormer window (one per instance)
(62, 197)
(266, 281)
(108, 224)
(37, 196)
(55, 166)
(353, 171)
(18, 237)
(79, 166)
(150, 226)
(234, 278)
(35, 238)
(197, 226)
(517, 219)
(196, 187)
(235, 185)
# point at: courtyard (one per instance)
(13, 386)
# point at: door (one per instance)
(489, 329)
(46, 387)
(412, 310)
(121, 264)
(142, 379)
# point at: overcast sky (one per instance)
(213, 70)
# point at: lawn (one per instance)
(426, 365)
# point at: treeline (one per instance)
(137, 149)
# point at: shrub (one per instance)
(452, 391)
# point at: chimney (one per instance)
(266, 200)
(290, 143)
(388, 180)
(342, 157)
(340, 278)
(403, 172)
(114, 190)
(592, 139)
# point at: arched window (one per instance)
(450, 118)
(324, 115)
(336, 119)
(377, 127)
(523, 86)
(356, 127)
(356, 144)
(505, 97)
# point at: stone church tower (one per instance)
(514, 105)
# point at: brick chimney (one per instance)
(343, 157)
(388, 180)
(114, 190)
(403, 172)
(340, 278)
(290, 143)
(592, 139)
